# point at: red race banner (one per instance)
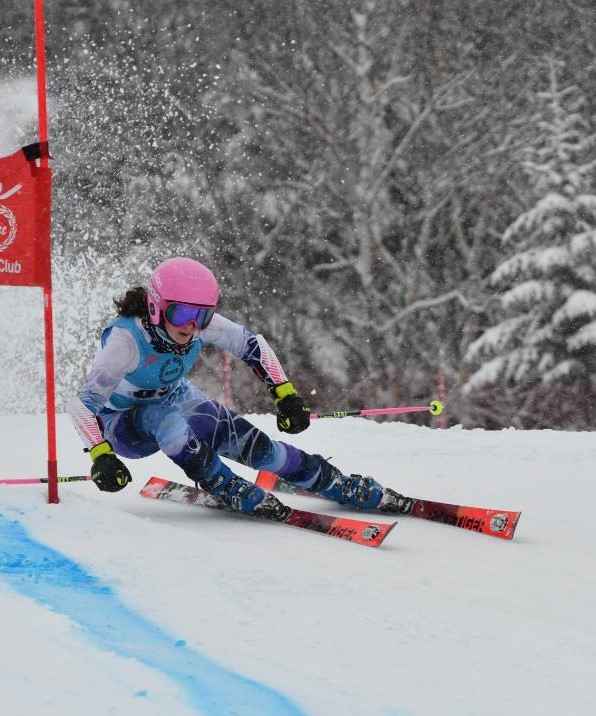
(25, 210)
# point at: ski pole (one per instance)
(42, 480)
(435, 407)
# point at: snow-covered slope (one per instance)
(108, 602)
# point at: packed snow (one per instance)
(113, 604)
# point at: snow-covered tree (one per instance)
(332, 117)
(544, 343)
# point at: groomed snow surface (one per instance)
(112, 604)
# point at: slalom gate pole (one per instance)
(42, 111)
(435, 407)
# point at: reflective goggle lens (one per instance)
(179, 314)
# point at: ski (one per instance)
(492, 522)
(495, 523)
(364, 532)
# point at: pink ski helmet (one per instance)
(183, 284)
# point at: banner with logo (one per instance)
(25, 210)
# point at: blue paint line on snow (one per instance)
(60, 584)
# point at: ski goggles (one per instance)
(179, 314)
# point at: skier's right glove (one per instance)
(108, 472)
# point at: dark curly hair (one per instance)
(133, 303)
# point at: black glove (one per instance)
(292, 415)
(108, 472)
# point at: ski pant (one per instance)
(195, 432)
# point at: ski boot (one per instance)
(358, 491)
(364, 493)
(234, 492)
(203, 466)
(361, 493)
(243, 496)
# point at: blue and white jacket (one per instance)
(129, 370)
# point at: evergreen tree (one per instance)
(542, 351)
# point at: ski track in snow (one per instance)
(438, 620)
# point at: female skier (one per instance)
(137, 400)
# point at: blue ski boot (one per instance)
(235, 492)
(361, 493)
(241, 495)
(357, 491)
(204, 467)
(364, 493)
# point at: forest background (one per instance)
(396, 193)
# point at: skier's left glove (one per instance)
(108, 472)
(292, 415)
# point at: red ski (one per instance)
(496, 523)
(365, 532)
